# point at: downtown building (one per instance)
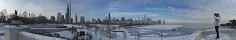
(76, 18)
(59, 17)
(68, 14)
(82, 20)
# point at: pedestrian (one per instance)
(217, 25)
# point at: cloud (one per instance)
(199, 10)
(47, 8)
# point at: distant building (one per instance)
(76, 19)
(71, 19)
(144, 19)
(82, 21)
(68, 14)
(149, 21)
(114, 20)
(105, 21)
(52, 19)
(109, 18)
(164, 22)
(94, 21)
(159, 21)
(88, 22)
(123, 20)
(59, 17)
(99, 21)
(63, 19)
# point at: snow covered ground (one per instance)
(28, 35)
(2, 38)
(2, 30)
(225, 34)
(146, 29)
(120, 36)
(213, 37)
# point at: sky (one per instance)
(173, 11)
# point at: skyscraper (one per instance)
(109, 18)
(62, 18)
(82, 21)
(59, 17)
(68, 13)
(145, 19)
(76, 19)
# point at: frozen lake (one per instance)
(183, 31)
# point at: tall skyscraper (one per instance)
(82, 21)
(68, 13)
(109, 18)
(145, 19)
(76, 19)
(59, 17)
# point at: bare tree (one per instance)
(3, 12)
(32, 15)
(25, 14)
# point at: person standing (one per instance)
(217, 25)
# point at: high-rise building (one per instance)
(109, 18)
(52, 19)
(114, 20)
(149, 21)
(76, 19)
(123, 20)
(94, 21)
(59, 17)
(62, 18)
(99, 21)
(159, 21)
(71, 19)
(145, 19)
(68, 14)
(105, 21)
(164, 22)
(82, 21)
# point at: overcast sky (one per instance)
(174, 11)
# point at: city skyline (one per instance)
(173, 11)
